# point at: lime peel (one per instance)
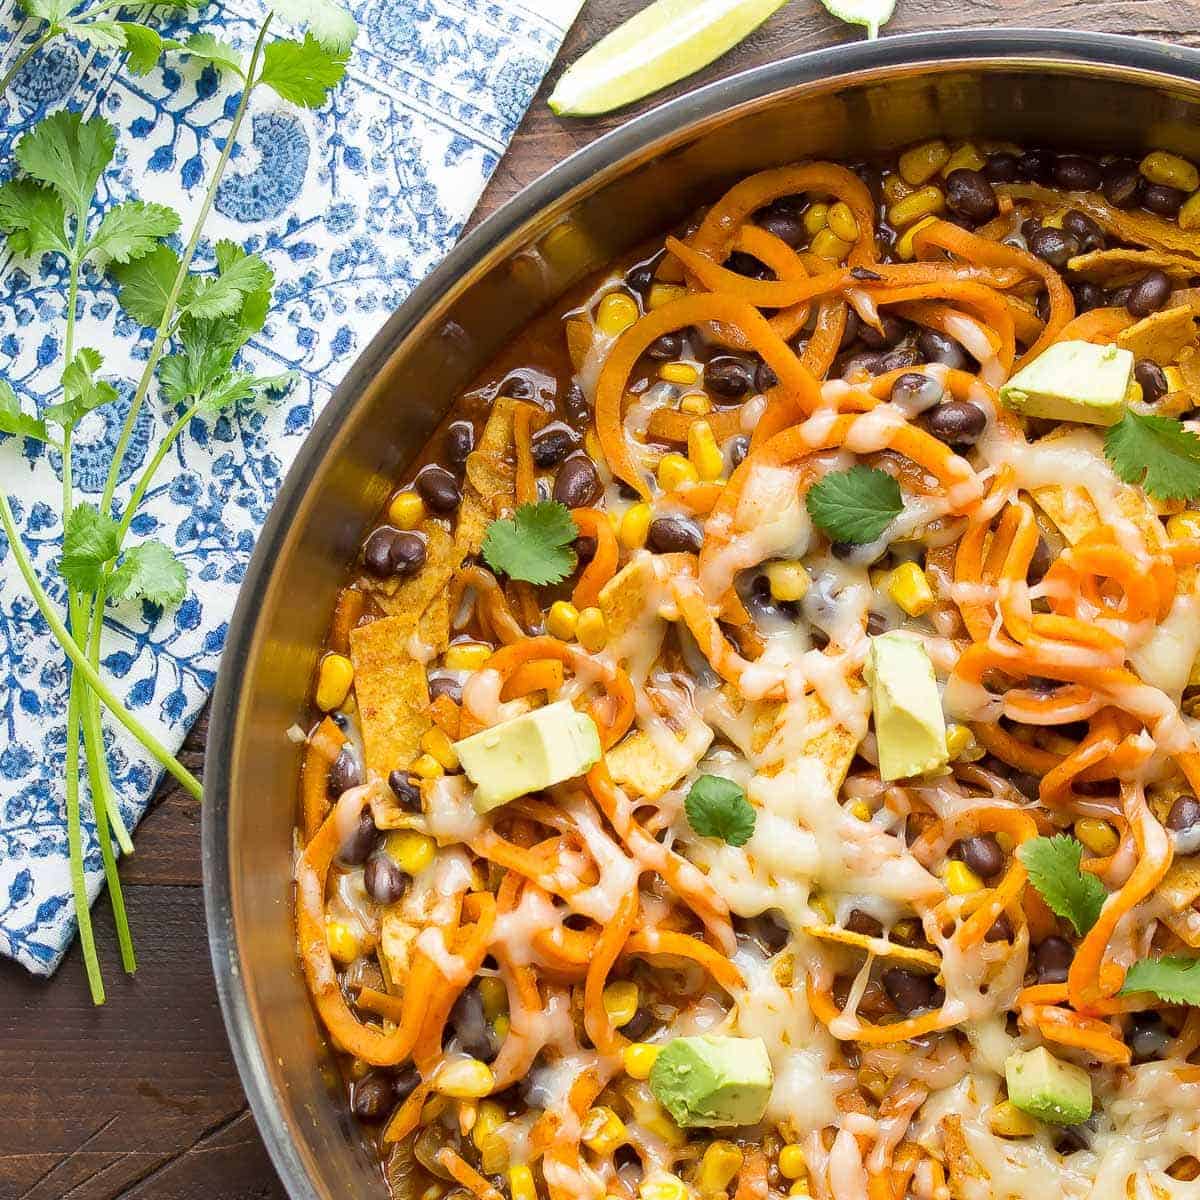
(871, 13)
(655, 48)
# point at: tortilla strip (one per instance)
(650, 767)
(1123, 265)
(1161, 336)
(923, 960)
(833, 746)
(411, 597)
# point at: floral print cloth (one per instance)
(351, 206)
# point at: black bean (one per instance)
(1149, 294)
(577, 483)
(405, 790)
(1088, 296)
(1054, 246)
(1148, 1037)
(907, 990)
(576, 406)
(627, 491)
(1184, 813)
(665, 348)
(357, 848)
(738, 449)
(784, 225)
(970, 195)
(1001, 930)
(518, 387)
(469, 1024)
(1077, 174)
(1071, 1139)
(938, 348)
(1035, 166)
(1040, 562)
(1001, 167)
(746, 264)
(1118, 297)
(640, 1025)
(408, 552)
(372, 1097)
(957, 422)
(1028, 784)
(853, 328)
(460, 441)
(898, 359)
(445, 685)
(915, 392)
(982, 854)
(1123, 185)
(729, 377)
(552, 445)
(1090, 235)
(1151, 378)
(377, 552)
(892, 330)
(439, 489)
(383, 879)
(1052, 959)
(585, 548)
(858, 365)
(765, 377)
(1163, 200)
(1029, 227)
(640, 278)
(674, 535)
(876, 622)
(344, 774)
(861, 922)
(406, 1081)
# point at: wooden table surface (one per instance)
(140, 1099)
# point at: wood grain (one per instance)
(140, 1100)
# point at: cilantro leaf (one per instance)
(90, 540)
(69, 154)
(240, 386)
(146, 284)
(81, 390)
(855, 505)
(104, 35)
(328, 22)
(222, 55)
(1053, 866)
(1156, 452)
(717, 807)
(149, 571)
(534, 544)
(143, 47)
(1172, 978)
(239, 275)
(15, 422)
(303, 73)
(131, 230)
(53, 11)
(33, 217)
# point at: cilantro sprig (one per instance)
(1071, 893)
(1158, 453)
(534, 544)
(855, 505)
(717, 807)
(1172, 978)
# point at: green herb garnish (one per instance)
(855, 505)
(1172, 978)
(1053, 866)
(1156, 452)
(535, 544)
(717, 807)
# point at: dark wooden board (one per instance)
(139, 1100)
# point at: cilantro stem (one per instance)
(25, 56)
(80, 660)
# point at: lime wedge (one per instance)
(871, 13)
(657, 47)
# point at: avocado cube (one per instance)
(1073, 381)
(910, 727)
(1047, 1088)
(713, 1080)
(527, 753)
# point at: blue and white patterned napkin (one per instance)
(351, 206)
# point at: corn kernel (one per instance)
(959, 740)
(874, 1082)
(620, 1002)
(824, 906)
(703, 451)
(411, 850)
(488, 1118)
(1174, 379)
(502, 1024)
(493, 1154)
(334, 678)
(467, 656)
(860, 809)
(961, 880)
(425, 766)
(792, 1163)
(663, 1187)
(674, 471)
(406, 511)
(638, 1058)
(1170, 170)
(520, 1183)
(828, 245)
(905, 249)
(894, 188)
(842, 221)
(678, 372)
(342, 941)
(905, 930)
(437, 745)
(695, 404)
(719, 1166)
(1184, 525)
(1007, 1120)
(617, 311)
(1189, 214)
(562, 619)
(591, 630)
(464, 1079)
(927, 202)
(494, 995)
(816, 217)
(921, 163)
(799, 1188)
(1098, 836)
(634, 526)
(603, 1131)
(965, 158)
(788, 579)
(664, 293)
(909, 588)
